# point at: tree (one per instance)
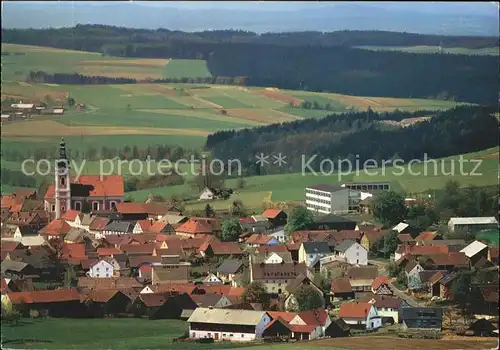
(389, 208)
(231, 230)
(69, 276)
(238, 209)
(177, 203)
(209, 211)
(305, 298)
(300, 218)
(255, 292)
(393, 269)
(71, 101)
(385, 246)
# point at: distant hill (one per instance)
(475, 18)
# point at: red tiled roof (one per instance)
(354, 310)
(373, 236)
(247, 220)
(436, 277)
(258, 239)
(158, 226)
(286, 316)
(222, 248)
(494, 252)
(87, 263)
(71, 215)
(143, 208)
(428, 249)
(299, 328)
(271, 213)
(9, 246)
(405, 237)
(4, 285)
(102, 186)
(277, 248)
(144, 224)
(57, 227)
(73, 251)
(195, 226)
(316, 317)
(235, 291)
(138, 248)
(108, 251)
(44, 296)
(377, 282)
(341, 285)
(292, 246)
(102, 295)
(490, 293)
(426, 236)
(450, 259)
(98, 223)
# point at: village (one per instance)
(83, 251)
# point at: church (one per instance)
(98, 193)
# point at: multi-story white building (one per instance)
(332, 199)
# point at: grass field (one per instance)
(290, 187)
(145, 334)
(435, 49)
(490, 236)
(186, 68)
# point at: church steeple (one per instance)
(63, 193)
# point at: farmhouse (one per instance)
(227, 324)
(276, 217)
(363, 315)
(422, 318)
(311, 252)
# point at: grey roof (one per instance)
(448, 278)
(74, 234)
(260, 218)
(327, 187)
(422, 313)
(229, 266)
(11, 265)
(316, 247)
(173, 219)
(86, 219)
(120, 226)
(342, 247)
(227, 316)
(330, 218)
(473, 220)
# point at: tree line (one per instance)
(300, 60)
(17, 178)
(95, 37)
(76, 78)
(359, 136)
(155, 152)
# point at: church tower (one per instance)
(62, 185)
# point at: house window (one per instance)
(107, 269)
(112, 204)
(98, 275)
(107, 275)
(193, 335)
(242, 335)
(78, 206)
(97, 269)
(53, 207)
(95, 205)
(231, 335)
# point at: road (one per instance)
(399, 293)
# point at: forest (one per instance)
(459, 130)
(304, 61)
(95, 37)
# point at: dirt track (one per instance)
(389, 343)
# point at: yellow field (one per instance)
(52, 128)
(24, 48)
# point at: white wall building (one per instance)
(332, 199)
(353, 253)
(101, 269)
(227, 324)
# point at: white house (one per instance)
(101, 269)
(278, 258)
(311, 252)
(212, 278)
(227, 324)
(279, 235)
(207, 194)
(388, 306)
(363, 315)
(353, 252)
